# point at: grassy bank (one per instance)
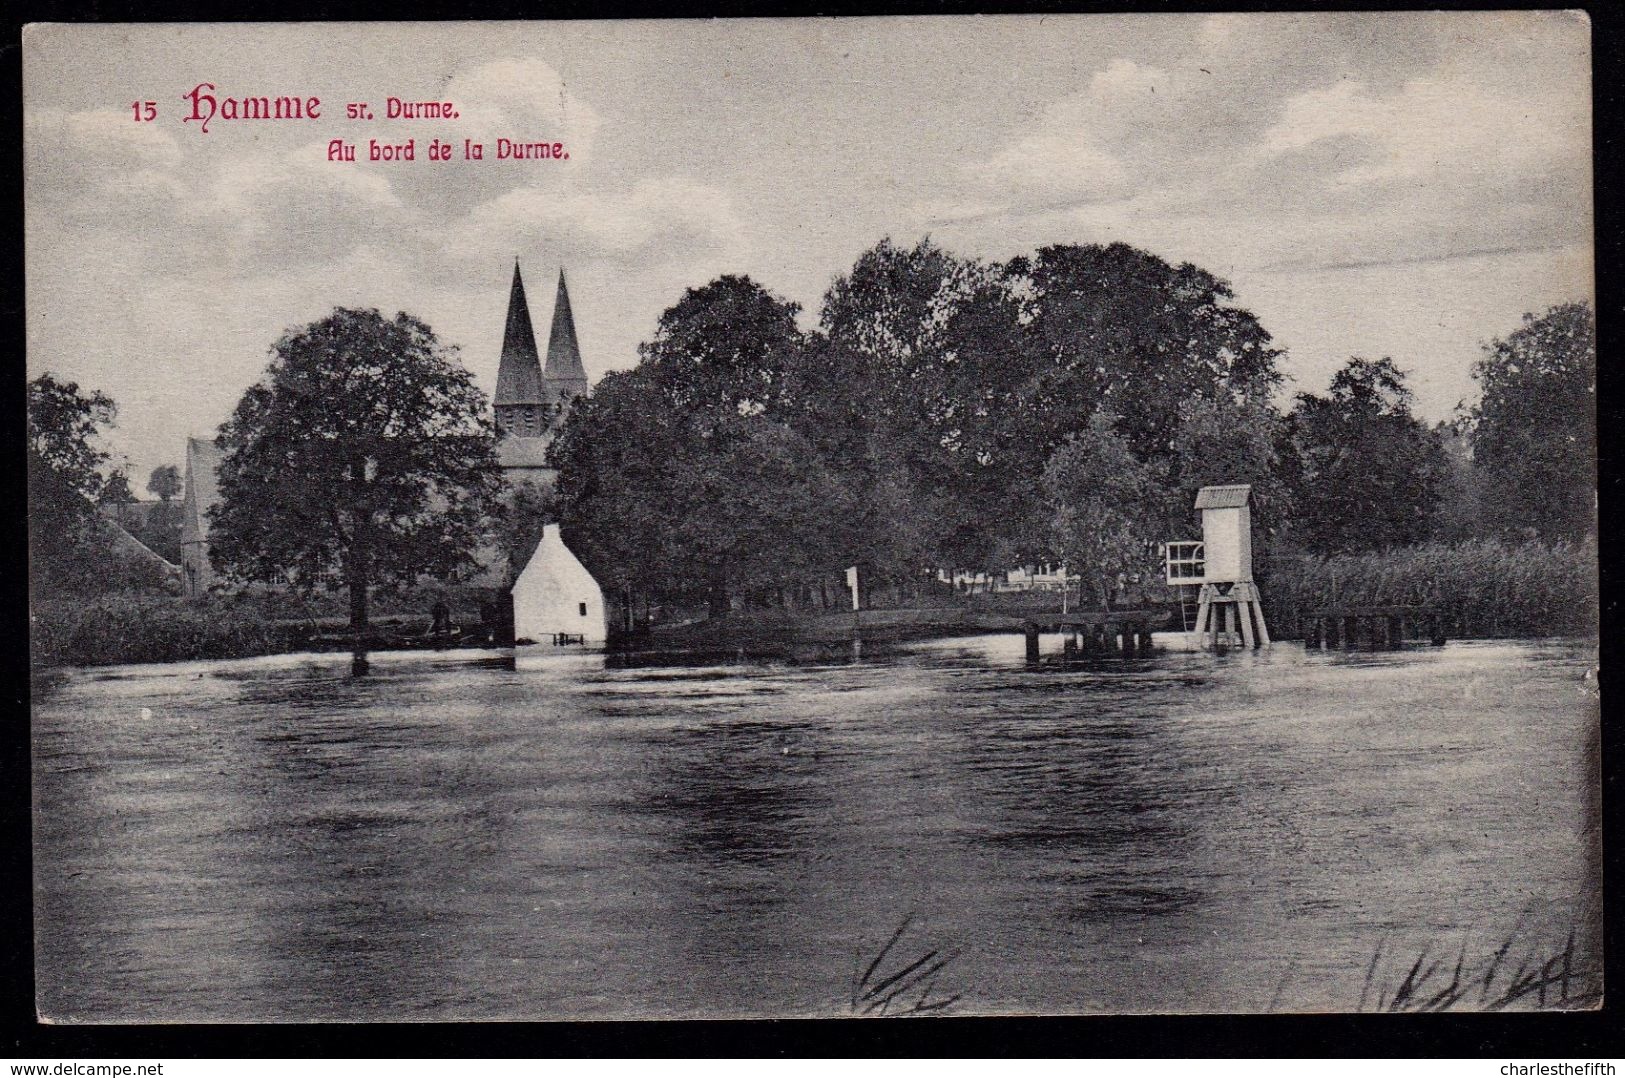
(1485, 588)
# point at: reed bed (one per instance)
(1483, 587)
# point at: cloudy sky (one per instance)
(1373, 184)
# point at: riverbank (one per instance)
(1485, 589)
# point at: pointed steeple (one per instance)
(519, 377)
(564, 378)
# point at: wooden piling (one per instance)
(1032, 642)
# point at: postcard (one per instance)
(1035, 515)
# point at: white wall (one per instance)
(1228, 543)
(552, 592)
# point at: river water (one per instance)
(462, 836)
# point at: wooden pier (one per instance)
(1110, 633)
(1371, 627)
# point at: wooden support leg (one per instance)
(1244, 614)
(1258, 612)
(1204, 610)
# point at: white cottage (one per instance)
(555, 598)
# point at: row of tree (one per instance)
(944, 413)
(949, 413)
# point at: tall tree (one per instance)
(366, 452)
(929, 360)
(1104, 506)
(1371, 471)
(164, 482)
(1535, 427)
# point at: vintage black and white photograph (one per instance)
(812, 518)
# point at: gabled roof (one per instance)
(519, 376)
(1233, 496)
(202, 489)
(564, 376)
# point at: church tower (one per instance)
(531, 398)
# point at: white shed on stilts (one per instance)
(1222, 563)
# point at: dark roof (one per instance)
(1228, 497)
(519, 377)
(202, 488)
(564, 376)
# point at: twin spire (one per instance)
(521, 378)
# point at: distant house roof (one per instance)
(202, 490)
(131, 546)
(1229, 497)
(516, 452)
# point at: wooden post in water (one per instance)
(1032, 641)
(1436, 629)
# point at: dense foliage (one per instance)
(950, 414)
(68, 546)
(1371, 472)
(911, 431)
(1535, 428)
